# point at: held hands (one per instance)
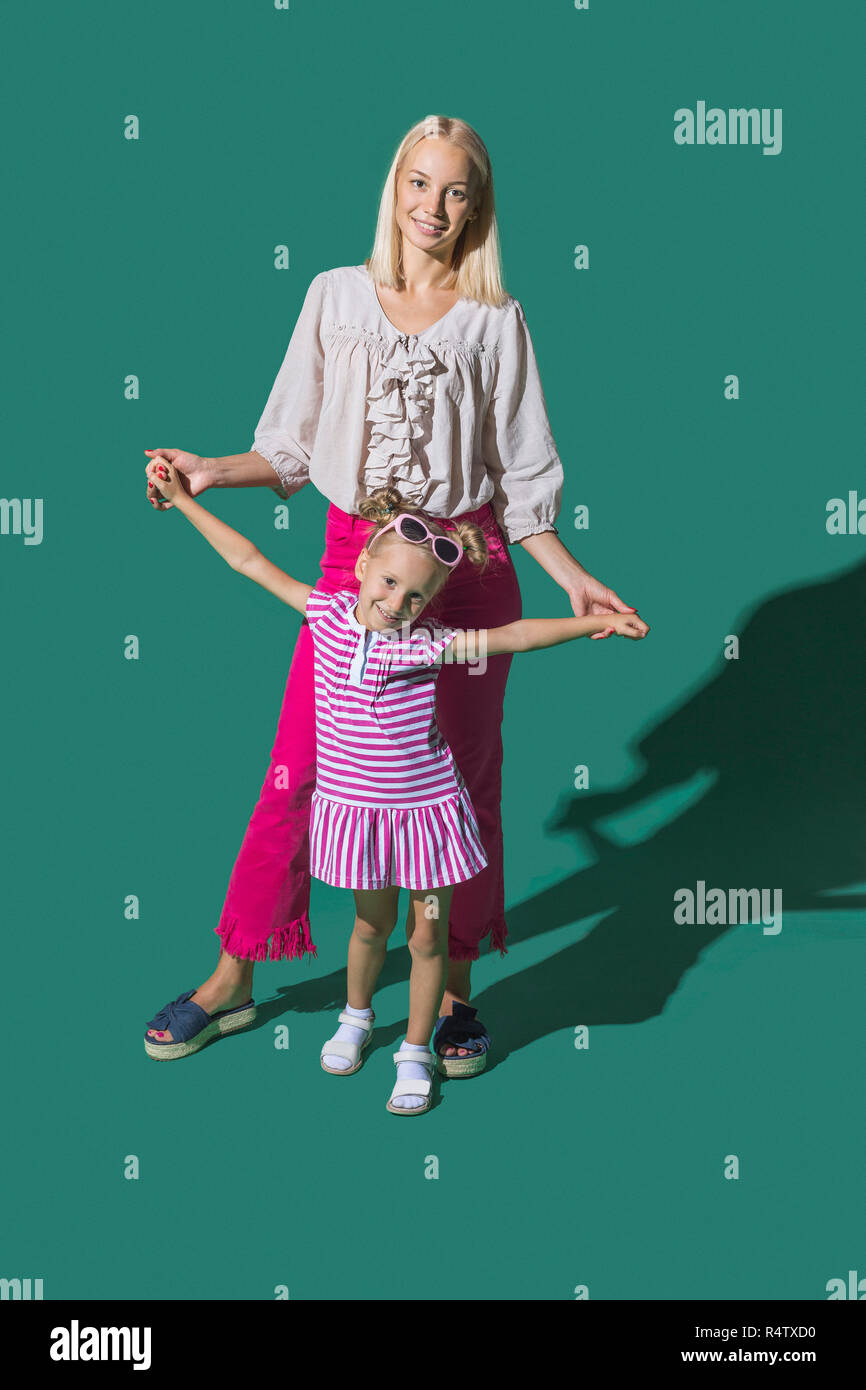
(164, 483)
(589, 598)
(190, 471)
(626, 624)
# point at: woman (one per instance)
(414, 368)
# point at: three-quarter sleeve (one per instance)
(286, 432)
(518, 446)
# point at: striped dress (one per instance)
(390, 805)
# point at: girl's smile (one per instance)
(389, 617)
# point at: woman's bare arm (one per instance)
(587, 594)
(241, 470)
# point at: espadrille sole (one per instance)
(461, 1066)
(218, 1028)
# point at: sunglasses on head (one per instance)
(413, 529)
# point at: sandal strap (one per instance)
(182, 1017)
(412, 1088)
(457, 1028)
(342, 1049)
(425, 1058)
(365, 1023)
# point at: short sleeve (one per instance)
(518, 446)
(317, 605)
(286, 432)
(423, 646)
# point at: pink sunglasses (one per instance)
(412, 528)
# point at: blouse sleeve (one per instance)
(518, 446)
(286, 432)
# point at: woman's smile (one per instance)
(428, 228)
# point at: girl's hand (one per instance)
(163, 482)
(589, 598)
(194, 471)
(626, 624)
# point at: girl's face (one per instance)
(397, 582)
(433, 197)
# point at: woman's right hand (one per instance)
(193, 472)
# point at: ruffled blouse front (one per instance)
(454, 417)
(397, 401)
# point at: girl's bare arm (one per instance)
(531, 634)
(289, 590)
(235, 549)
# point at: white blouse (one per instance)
(454, 417)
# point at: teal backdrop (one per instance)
(670, 1110)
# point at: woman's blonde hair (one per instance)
(476, 265)
(385, 503)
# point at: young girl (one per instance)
(390, 808)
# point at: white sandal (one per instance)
(416, 1087)
(352, 1051)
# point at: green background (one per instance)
(558, 1167)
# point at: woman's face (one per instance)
(435, 188)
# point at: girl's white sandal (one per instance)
(414, 1088)
(352, 1051)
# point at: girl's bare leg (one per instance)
(375, 919)
(427, 935)
(376, 915)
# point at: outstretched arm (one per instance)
(235, 549)
(531, 634)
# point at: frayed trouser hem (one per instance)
(497, 932)
(287, 943)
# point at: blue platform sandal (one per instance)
(461, 1028)
(192, 1027)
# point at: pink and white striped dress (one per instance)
(390, 805)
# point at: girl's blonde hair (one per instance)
(476, 264)
(385, 503)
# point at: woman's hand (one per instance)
(164, 482)
(589, 599)
(193, 472)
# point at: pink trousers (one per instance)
(266, 911)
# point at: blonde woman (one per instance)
(414, 370)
